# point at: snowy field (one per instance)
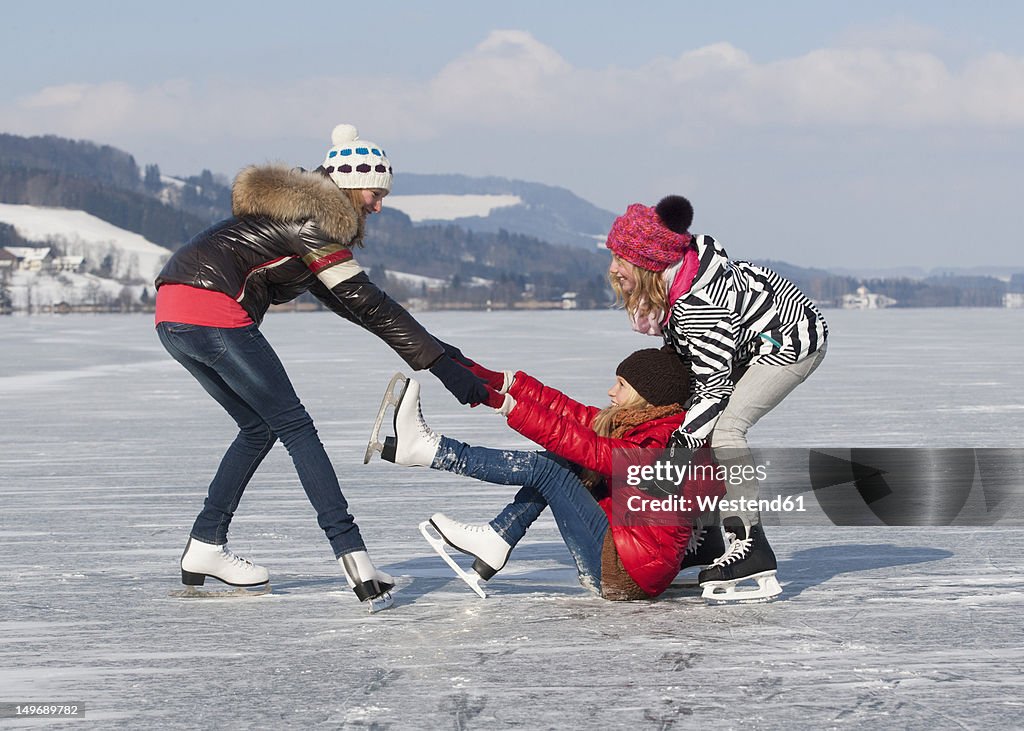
(443, 207)
(81, 234)
(107, 445)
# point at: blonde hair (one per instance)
(604, 423)
(649, 295)
(355, 197)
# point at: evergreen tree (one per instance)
(151, 181)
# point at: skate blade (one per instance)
(380, 603)
(390, 399)
(440, 547)
(725, 592)
(234, 592)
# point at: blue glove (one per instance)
(462, 384)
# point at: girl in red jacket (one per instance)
(620, 554)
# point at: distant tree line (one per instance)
(947, 290)
(107, 183)
(517, 266)
(9, 237)
(127, 209)
(74, 158)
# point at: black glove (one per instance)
(462, 384)
(677, 456)
(682, 443)
(455, 354)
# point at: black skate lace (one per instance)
(425, 430)
(737, 550)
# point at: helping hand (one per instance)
(460, 382)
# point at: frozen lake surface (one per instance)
(107, 445)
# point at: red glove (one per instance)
(494, 379)
(494, 399)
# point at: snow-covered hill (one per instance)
(78, 233)
(493, 204)
(448, 207)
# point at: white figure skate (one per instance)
(206, 560)
(399, 382)
(370, 584)
(437, 542)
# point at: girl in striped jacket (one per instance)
(750, 336)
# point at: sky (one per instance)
(868, 134)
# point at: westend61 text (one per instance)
(678, 474)
(705, 504)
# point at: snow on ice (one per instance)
(107, 445)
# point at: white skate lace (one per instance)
(474, 528)
(696, 540)
(237, 560)
(737, 550)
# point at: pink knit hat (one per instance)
(640, 237)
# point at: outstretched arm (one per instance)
(359, 300)
(577, 442)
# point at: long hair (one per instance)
(355, 197)
(603, 424)
(649, 295)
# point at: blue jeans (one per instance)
(546, 481)
(238, 367)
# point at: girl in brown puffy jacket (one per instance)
(292, 231)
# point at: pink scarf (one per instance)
(678, 280)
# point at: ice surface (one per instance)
(107, 445)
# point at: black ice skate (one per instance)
(705, 547)
(748, 558)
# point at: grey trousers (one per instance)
(758, 390)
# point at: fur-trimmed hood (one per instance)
(293, 194)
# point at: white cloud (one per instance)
(512, 81)
(868, 124)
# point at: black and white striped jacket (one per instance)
(734, 315)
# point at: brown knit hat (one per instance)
(660, 376)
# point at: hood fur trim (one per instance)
(292, 194)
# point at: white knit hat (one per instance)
(356, 163)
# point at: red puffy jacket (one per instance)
(651, 554)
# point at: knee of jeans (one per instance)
(258, 434)
(293, 423)
(729, 433)
(551, 469)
